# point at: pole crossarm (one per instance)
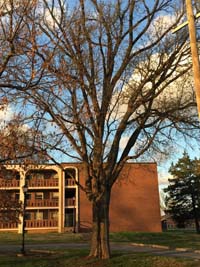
(184, 24)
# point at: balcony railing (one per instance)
(8, 225)
(42, 203)
(9, 183)
(42, 182)
(41, 223)
(69, 182)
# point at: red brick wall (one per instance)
(134, 201)
(85, 208)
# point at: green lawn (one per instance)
(77, 257)
(173, 239)
(15, 238)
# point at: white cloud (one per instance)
(6, 114)
(179, 89)
(123, 142)
(163, 179)
(161, 24)
(48, 17)
(51, 13)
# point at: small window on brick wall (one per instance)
(54, 215)
(17, 196)
(28, 216)
(55, 195)
(39, 215)
(39, 195)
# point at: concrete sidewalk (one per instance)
(125, 247)
(167, 251)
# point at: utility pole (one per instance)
(194, 51)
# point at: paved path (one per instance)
(158, 251)
(14, 249)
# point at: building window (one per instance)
(39, 175)
(54, 215)
(39, 215)
(45, 215)
(69, 217)
(17, 177)
(55, 195)
(28, 195)
(70, 173)
(28, 216)
(39, 195)
(70, 177)
(55, 176)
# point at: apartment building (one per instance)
(54, 202)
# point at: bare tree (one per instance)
(14, 34)
(99, 74)
(10, 206)
(20, 144)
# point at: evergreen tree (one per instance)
(183, 199)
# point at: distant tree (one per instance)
(10, 205)
(183, 191)
(20, 144)
(13, 36)
(10, 208)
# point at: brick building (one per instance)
(55, 203)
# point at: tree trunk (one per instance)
(100, 246)
(197, 225)
(195, 214)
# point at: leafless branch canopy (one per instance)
(104, 82)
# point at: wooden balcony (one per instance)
(4, 183)
(42, 182)
(42, 203)
(70, 182)
(41, 223)
(8, 225)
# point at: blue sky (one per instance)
(193, 151)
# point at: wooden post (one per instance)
(194, 51)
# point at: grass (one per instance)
(170, 238)
(77, 257)
(15, 238)
(173, 239)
